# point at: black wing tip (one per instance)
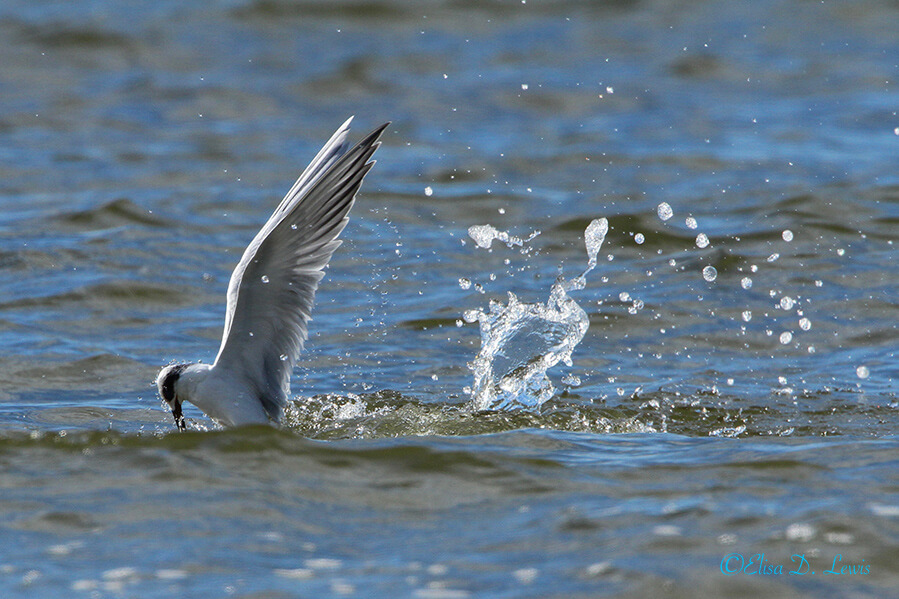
(367, 147)
(373, 138)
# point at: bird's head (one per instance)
(167, 383)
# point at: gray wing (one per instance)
(271, 291)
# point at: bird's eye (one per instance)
(168, 387)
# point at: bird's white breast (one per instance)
(221, 396)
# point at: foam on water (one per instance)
(520, 342)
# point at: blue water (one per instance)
(710, 418)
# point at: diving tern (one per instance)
(270, 295)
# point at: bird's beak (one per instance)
(178, 416)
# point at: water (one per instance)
(521, 342)
(731, 402)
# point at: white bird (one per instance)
(271, 292)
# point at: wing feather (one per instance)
(272, 289)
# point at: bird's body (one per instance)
(271, 292)
(221, 395)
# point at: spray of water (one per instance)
(520, 342)
(483, 235)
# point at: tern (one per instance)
(270, 295)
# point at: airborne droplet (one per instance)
(664, 210)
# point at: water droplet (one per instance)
(294, 227)
(787, 235)
(594, 235)
(483, 235)
(805, 324)
(747, 315)
(429, 191)
(773, 257)
(746, 283)
(664, 210)
(862, 372)
(465, 283)
(283, 357)
(265, 278)
(691, 222)
(624, 296)
(786, 337)
(709, 273)
(702, 240)
(787, 302)
(571, 380)
(639, 239)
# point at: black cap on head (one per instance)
(166, 384)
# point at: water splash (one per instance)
(483, 235)
(520, 342)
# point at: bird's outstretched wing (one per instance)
(271, 291)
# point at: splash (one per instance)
(520, 342)
(483, 235)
